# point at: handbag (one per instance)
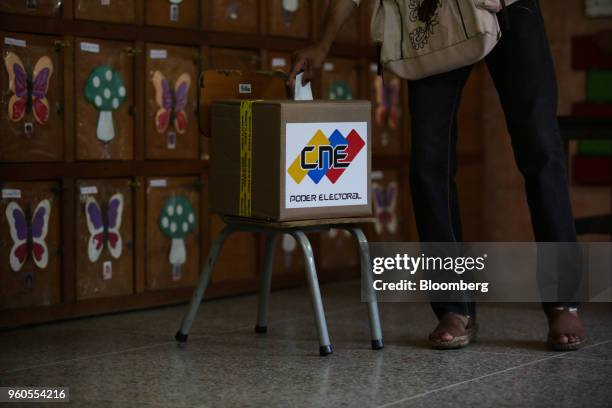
(456, 33)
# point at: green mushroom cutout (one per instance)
(339, 89)
(176, 221)
(105, 90)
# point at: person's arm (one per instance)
(310, 59)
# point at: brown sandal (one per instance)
(564, 323)
(463, 332)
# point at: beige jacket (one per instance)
(491, 5)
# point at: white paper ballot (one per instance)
(302, 93)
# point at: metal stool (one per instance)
(298, 230)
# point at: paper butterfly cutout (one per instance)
(387, 102)
(171, 102)
(29, 92)
(28, 237)
(385, 201)
(102, 233)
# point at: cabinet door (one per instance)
(104, 87)
(31, 118)
(30, 244)
(279, 61)
(105, 238)
(116, 11)
(390, 191)
(239, 16)
(289, 257)
(289, 18)
(349, 33)
(233, 58)
(339, 251)
(387, 96)
(340, 79)
(31, 7)
(171, 104)
(238, 260)
(173, 13)
(172, 232)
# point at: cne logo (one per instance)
(326, 157)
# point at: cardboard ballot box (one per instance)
(290, 160)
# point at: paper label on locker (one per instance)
(88, 190)
(90, 47)
(328, 66)
(326, 164)
(15, 42)
(279, 62)
(377, 175)
(107, 270)
(174, 12)
(158, 183)
(244, 88)
(158, 54)
(11, 193)
(105, 2)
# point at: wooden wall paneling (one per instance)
(105, 260)
(32, 132)
(288, 256)
(67, 9)
(340, 79)
(234, 58)
(278, 61)
(116, 11)
(177, 136)
(139, 109)
(103, 134)
(389, 191)
(69, 121)
(288, 18)
(387, 112)
(140, 233)
(350, 32)
(29, 279)
(238, 259)
(338, 250)
(183, 14)
(31, 8)
(204, 221)
(240, 16)
(68, 243)
(172, 256)
(204, 138)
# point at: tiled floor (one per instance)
(132, 360)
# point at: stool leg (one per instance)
(325, 347)
(198, 294)
(265, 284)
(364, 252)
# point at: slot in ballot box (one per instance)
(283, 160)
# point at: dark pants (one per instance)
(522, 70)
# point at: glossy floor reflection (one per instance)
(131, 359)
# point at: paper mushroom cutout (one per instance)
(176, 221)
(105, 90)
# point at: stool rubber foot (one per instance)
(378, 344)
(261, 329)
(180, 337)
(325, 350)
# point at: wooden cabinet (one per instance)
(279, 61)
(234, 58)
(104, 98)
(172, 232)
(238, 259)
(173, 13)
(30, 239)
(389, 137)
(350, 31)
(171, 102)
(340, 79)
(105, 238)
(116, 11)
(31, 118)
(389, 192)
(31, 7)
(289, 18)
(239, 16)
